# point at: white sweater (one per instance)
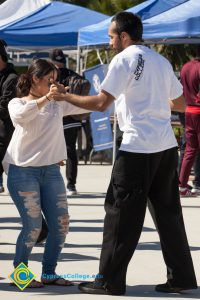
(38, 139)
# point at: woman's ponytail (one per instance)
(24, 85)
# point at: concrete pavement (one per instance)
(82, 248)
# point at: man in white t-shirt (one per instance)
(145, 89)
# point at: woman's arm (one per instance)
(21, 112)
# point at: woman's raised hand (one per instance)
(57, 90)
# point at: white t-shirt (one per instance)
(142, 82)
(38, 139)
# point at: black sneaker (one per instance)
(168, 288)
(99, 288)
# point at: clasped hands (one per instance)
(57, 91)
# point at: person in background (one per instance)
(190, 79)
(8, 80)
(195, 189)
(32, 158)
(71, 124)
(145, 89)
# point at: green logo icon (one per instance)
(22, 276)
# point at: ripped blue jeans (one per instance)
(35, 190)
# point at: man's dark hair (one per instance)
(130, 23)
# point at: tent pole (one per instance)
(81, 63)
(107, 56)
(78, 60)
(114, 136)
(99, 56)
(85, 59)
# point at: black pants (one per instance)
(71, 135)
(4, 142)
(135, 178)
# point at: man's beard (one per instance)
(119, 48)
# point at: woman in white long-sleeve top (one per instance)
(34, 179)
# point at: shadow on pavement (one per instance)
(84, 204)
(10, 220)
(6, 244)
(87, 195)
(148, 291)
(74, 228)
(87, 221)
(63, 257)
(138, 291)
(5, 194)
(67, 245)
(11, 228)
(156, 246)
(185, 206)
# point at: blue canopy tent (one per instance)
(54, 25)
(177, 20)
(181, 24)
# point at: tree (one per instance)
(108, 7)
(177, 54)
(123, 5)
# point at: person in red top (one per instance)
(190, 79)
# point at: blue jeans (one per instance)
(36, 189)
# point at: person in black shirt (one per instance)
(71, 124)
(8, 80)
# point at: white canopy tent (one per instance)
(35, 26)
(12, 10)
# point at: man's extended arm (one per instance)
(98, 102)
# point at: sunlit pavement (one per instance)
(80, 255)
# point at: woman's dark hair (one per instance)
(130, 23)
(39, 68)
